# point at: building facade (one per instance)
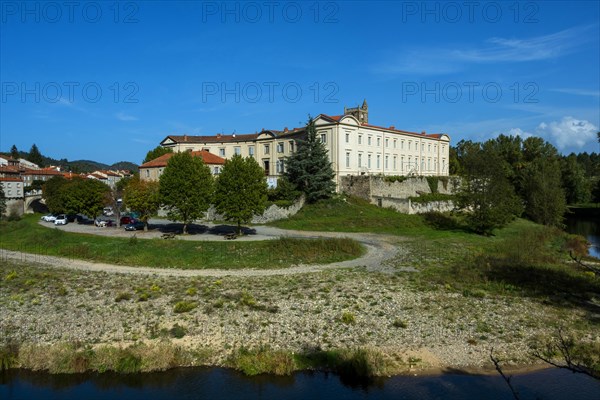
(355, 147)
(153, 169)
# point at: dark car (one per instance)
(135, 226)
(127, 220)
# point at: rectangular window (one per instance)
(387, 142)
(359, 160)
(423, 147)
(378, 161)
(280, 166)
(251, 150)
(395, 164)
(222, 152)
(280, 147)
(395, 142)
(359, 139)
(378, 141)
(368, 140)
(291, 146)
(266, 148)
(409, 144)
(402, 164)
(347, 160)
(347, 138)
(147, 173)
(429, 148)
(237, 150)
(323, 138)
(386, 162)
(369, 161)
(402, 145)
(216, 171)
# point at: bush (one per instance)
(177, 331)
(184, 306)
(348, 318)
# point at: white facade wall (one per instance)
(13, 189)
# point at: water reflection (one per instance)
(588, 226)
(218, 383)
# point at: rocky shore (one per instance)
(353, 308)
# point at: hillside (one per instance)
(82, 165)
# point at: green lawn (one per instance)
(28, 236)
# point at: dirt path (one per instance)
(380, 248)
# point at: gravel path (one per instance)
(380, 249)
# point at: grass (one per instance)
(28, 236)
(351, 214)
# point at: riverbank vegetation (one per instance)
(28, 236)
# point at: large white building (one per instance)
(355, 147)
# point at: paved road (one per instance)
(380, 249)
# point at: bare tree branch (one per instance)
(564, 347)
(507, 379)
(595, 270)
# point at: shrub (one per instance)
(400, 323)
(348, 318)
(123, 296)
(177, 331)
(262, 361)
(184, 306)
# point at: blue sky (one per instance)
(108, 81)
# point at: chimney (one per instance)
(422, 132)
(218, 136)
(185, 138)
(285, 129)
(392, 127)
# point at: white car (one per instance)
(49, 218)
(61, 220)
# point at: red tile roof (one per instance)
(207, 157)
(11, 180)
(43, 171)
(213, 139)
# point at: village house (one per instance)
(355, 147)
(152, 170)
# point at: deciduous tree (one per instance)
(52, 194)
(2, 201)
(486, 194)
(142, 197)
(241, 190)
(186, 188)
(156, 152)
(309, 168)
(84, 196)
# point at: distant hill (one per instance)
(82, 165)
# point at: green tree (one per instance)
(575, 185)
(14, 152)
(35, 156)
(52, 194)
(186, 188)
(143, 197)
(156, 152)
(2, 201)
(309, 168)
(241, 190)
(596, 192)
(84, 196)
(544, 197)
(486, 194)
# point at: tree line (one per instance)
(508, 177)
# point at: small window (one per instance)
(347, 138)
(251, 150)
(369, 161)
(291, 146)
(369, 141)
(395, 165)
(378, 141)
(266, 148)
(280, 147)
(359, 160)
(222, 152)
(386, 162)
(359, 139)
(216, 170)
(378, 161)
(409, 144)
(323, 138)
(237, 150)
(347, 159)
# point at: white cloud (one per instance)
(519, 132)
(569, 133)
(121, 116)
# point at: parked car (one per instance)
(62, 219)
(127, 220)
(101, 223)
(135, 226)
(49, 218)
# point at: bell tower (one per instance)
(361, 113)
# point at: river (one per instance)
(586, 222)
(219, 383)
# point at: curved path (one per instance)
(380, 248)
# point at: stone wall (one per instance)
(272, 213)
(396, 194)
